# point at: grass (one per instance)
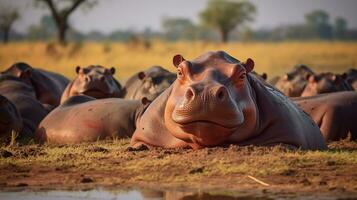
(273, 58)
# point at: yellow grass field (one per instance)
(273, 58)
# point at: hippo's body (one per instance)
(85, 119)
(48, 86)
(10, 119)
(292, 84)
(215, 101)
(95, 81)
(150, 83)
(23, 97)
(335, 113)
(325, 83)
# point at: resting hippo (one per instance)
(10, 119)
(95, 81)
(23, 97)
(351, 77)
(150, 83)
(325, 83)
(335, 113)
(48, 86)
(85, 119)
(214, 101)
(293, 83)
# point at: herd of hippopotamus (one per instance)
(212, 100)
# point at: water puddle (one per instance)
(121, 194)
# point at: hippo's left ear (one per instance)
(145, 101)
(248, 65)
(264, 76)
(112, 70)
(177, 60)
(77, 69)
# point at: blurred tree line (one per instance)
(221, 20)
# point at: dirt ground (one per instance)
(110, 164)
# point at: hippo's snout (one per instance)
(211, 104)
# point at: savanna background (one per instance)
(133, 35)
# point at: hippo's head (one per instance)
(10, 119)
(211, 99)
(95, 81)
(292, 84)
(150, 83)
(325, 83)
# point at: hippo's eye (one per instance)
(242, 76)
(179, 73)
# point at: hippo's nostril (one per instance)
(189, 94)
(221, 93)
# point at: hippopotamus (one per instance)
(325, 83)
(335, 113)
(351, 77)
(86, 119)
(10, 119)
(150, 83)
(23, 97)
(48, 86)
(95, 81)
(293, 83)
(215, 100)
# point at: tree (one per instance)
(340, 28)
(318, 21)
(7, 18)
(61, 15)
(227, 15)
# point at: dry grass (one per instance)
(273, 58)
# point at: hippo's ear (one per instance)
(26, 73)
(145, 101)
(141, 75)
(264, 76)
(77, 69)
(248, 65)
(312, 78)
(287, 77)
(177, 60)
(112, 70)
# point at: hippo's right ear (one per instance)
(145, 101)
(177, 60)
(26, 73)
(141, 75)
(112, 70)
(77, 69)
(248, 65)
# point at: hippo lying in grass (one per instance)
(10, 119)
(292, 84)
(150, 83)
(335, 113)
(48, 86)
(95, 81)
(215, 100)
(325, 83)
(85, 119)
(23, 97)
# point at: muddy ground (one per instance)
(110, 164)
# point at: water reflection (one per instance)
(144, 194)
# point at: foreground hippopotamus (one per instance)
(335, 113)
(292, 84)
(216, 100)
(150, 83)
(85, 119)
(95, 81)
(10, 119)
(23, 97)
(48, 86)
(325, 83)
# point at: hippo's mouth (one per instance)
(208, 123)
(94, 92)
